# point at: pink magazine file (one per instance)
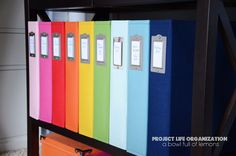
(34, 88)
(45, 61)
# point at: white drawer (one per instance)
(12, 14)
(12, 49)
(12, 103)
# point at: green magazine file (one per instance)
(102, 31)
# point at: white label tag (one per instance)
(56, 46)
(135, 53)
(84, 49)
(117, 54)
(32, 44)
(70, 47)
(158, 54)
(44, 45)
(157, 61)
(100, 50)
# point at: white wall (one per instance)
(12, 76)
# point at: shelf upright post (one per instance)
(229, 41)
(32, 127)
(203, 78)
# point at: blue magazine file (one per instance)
(138, 71)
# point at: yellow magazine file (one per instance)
(86, 78)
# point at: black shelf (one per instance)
(210, 16)
(69, 4)
(120, 3)
(92, 5)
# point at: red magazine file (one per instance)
(58, 74)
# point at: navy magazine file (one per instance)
(170, 84)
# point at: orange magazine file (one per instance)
(72, 76)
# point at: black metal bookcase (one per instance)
(210, 16)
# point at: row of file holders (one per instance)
(120, 82)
